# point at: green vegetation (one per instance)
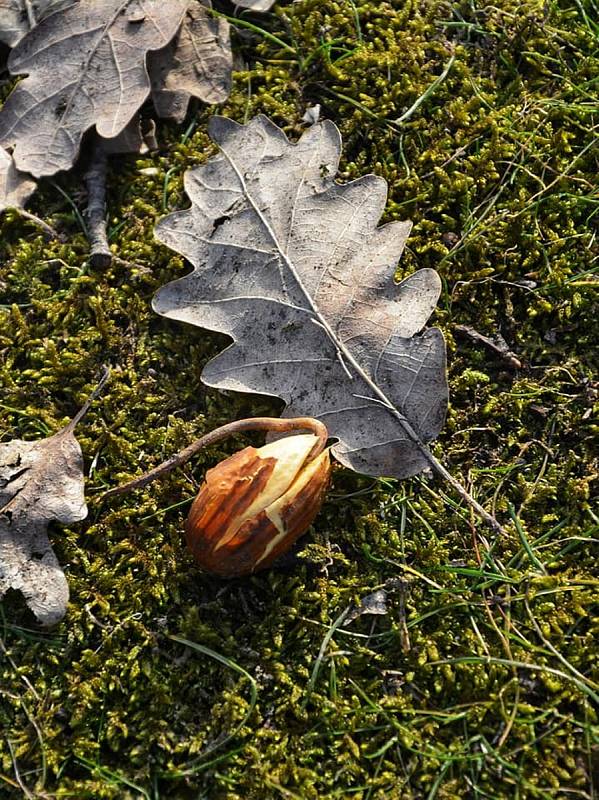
(482, 680)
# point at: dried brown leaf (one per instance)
(197, 63)
(40, 482)
(292, 266)
(15, 187)
(85, 66)
(139, 137)
(17, 17)
(373, 603)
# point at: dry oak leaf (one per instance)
(197, 63)
(292, 266)
(85, 66)
(15, 188)
(255, 5)
(17, 17)
(138, 137)
(40, 482)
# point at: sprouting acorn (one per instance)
(254, 505)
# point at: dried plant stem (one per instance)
(438, 467)
(85, 407)
(498, 345)
(48, 229)
(95, 178)
(271, 424)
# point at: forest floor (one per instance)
(481, 679)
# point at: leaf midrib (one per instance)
(91, 54)
(338, 345)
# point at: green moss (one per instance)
(496, 168)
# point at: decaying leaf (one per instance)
(17, 17)
(291, 265)
(15, 188)
(40, 482)
(138, 137)
(373, 603)
(85, 66)
(255, 5)
(197, 63)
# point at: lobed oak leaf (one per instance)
(138, 137)
(197, 63)
(40, 482)
(17, 17)
(85, 66)
(292, 266)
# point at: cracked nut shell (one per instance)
(253, 506)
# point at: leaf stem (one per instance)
(272, 424)
(438, 467)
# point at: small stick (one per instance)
(274, 424)
(48, 229)
(95, 178)
(85, 407)
(497, 345)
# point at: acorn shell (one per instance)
(231, 532)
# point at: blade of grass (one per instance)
(427, 93)
(520, 665)
(242, 23)
(112, 778)
(321, 653)
(525, 543)
(227, 662)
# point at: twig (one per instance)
(497, 345)
(274, 424)
(48, 229)
(15, 765)
(95, 178)
(487, 518)
(433, 462)
(85, 407)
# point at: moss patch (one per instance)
(481, 681)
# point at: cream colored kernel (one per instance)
(273, 512)
(290, 454)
